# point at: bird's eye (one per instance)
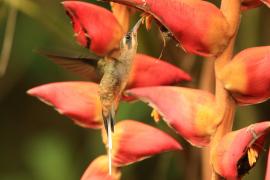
(128, 37)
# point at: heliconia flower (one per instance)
(134, 141)
(249, 4)
(77, 100)
(238, 151)
(95, 27)
(191, 113)
(267, 176)
(199, 26)
(247, 76)
(149, 71)
(80, 100)
(98, 170)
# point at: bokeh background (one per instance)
(39, 144)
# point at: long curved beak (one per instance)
(136, 26)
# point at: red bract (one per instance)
(77, 100)
(238, 151)
(95, 27)
(247, 76)
(134, 141)
(192, 113)
(149, 71)
(98, 170)
(199, 26)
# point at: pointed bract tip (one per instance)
(134, 141)
(77, 100)
(146, 71)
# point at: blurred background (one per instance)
(39, 144)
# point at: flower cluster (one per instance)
(201, 29)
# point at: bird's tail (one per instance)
(109, 121)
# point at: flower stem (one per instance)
(8, 40)
(231, 10)
(207, 83)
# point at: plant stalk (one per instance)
(225, 103)
(207, 84)
(8, 40)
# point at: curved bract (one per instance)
(134, 141)
(149, 71)
(191, 113)
(95, 27)
(76, 100)
(247, 76)
(238, 151)
(198, 26)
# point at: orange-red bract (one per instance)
(134, 141)
(199, 26)
(77, 100)
(95, 27)
(190, 112)
(234, 156)
(149, 71)
(98, 170)
(247, 76)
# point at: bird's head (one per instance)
(129, 41)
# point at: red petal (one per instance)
(98, 170)
(234, 145)
(149, 71)
(77, 100)
(247, 76)
(190, 112)
(95, 27)
(199, 26)
(134, 141)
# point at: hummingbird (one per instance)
(112, 72)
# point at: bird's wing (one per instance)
(86, 66)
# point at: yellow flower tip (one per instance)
(252, 156)
(147, 20)
(155, 115)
